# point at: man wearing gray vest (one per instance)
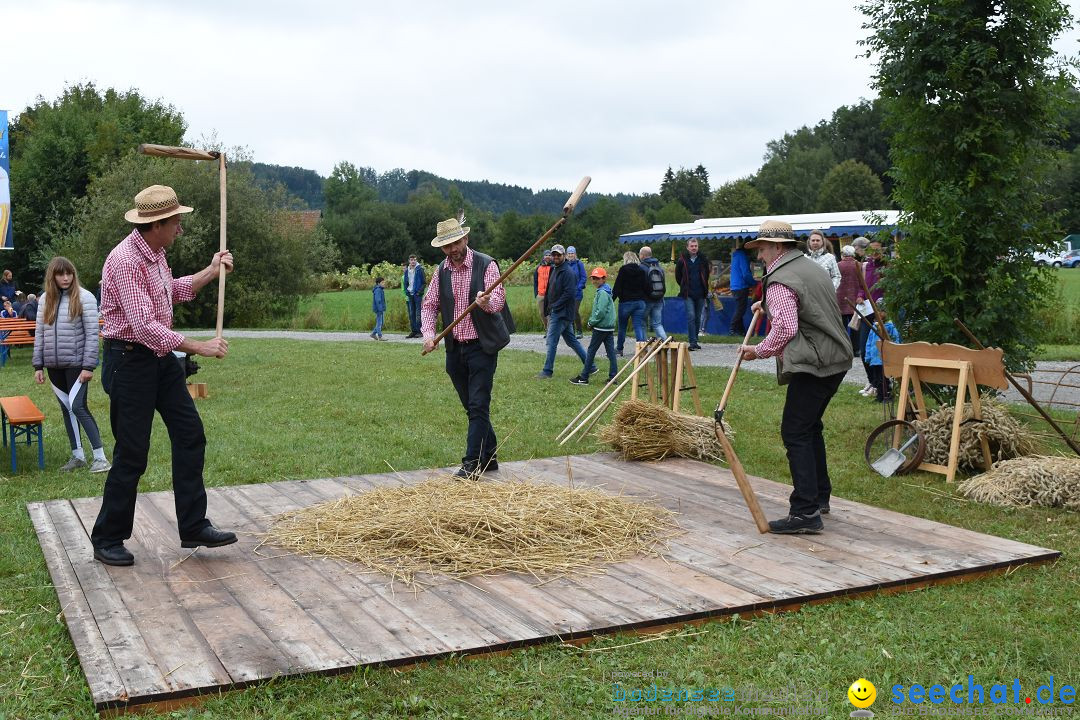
(472, 347)
(812, 351)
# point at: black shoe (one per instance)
(489, 465)
(116, 555)
(695, 346)
(467, 473)
(578, 380)
(594, 370)
(797, 524)
(209, 536)
(824, 509)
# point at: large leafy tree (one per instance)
(689, 188)
(276, 261)
(971, 90)
(738, 198)
(793, 170)
(858, 132)
(58, 147)
(850, 185)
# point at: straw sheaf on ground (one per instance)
(461, 529)
(643, 431)
(1026, 481)
(1007, 436)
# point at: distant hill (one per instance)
(300, 182)
(395, 186)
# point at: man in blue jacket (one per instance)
(412, 282)
(560, 307)
(582, 280)
(742, 282)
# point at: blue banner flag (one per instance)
(5, 186)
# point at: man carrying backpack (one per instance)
(655, 290)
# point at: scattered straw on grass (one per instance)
(1007, 436)
(1027, 481)
(446, 526)
(643, 431)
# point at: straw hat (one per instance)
(156, 202)
(449, 231)
(774, 231)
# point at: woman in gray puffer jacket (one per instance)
(66, 345)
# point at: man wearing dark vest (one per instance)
(812, 351)
(472, 347)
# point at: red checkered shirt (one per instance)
(460, 279)
(784, 314)
(137, 295)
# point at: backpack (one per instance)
(656, 288)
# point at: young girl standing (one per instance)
(66, 345)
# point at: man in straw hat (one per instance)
(472, 347)
(141, 374)
(812, 351)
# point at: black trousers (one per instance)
(801, 430)
(140, 383)
(737, 325)
(472, 371)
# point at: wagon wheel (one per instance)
(893, 435)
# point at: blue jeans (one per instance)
(377, 332)
(607, 339)
(473, 372)
(634, 310)
(695, 308)
(655, 311)
(412, 303)
(560, 327)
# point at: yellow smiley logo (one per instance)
(862, 693)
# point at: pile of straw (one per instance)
(461, 529)
(643, 431)
(1026, 481)
(1007, 436)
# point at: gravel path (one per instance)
(710, 355)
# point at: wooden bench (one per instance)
(14, 332)
(25, 420)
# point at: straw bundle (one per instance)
(643, 431)
(1026, 481)
(1007, 436)
(460, 529)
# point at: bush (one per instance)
(276, 262)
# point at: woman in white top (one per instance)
(820, 253)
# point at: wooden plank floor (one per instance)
(225, 618)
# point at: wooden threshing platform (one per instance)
(166, 630)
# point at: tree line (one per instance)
(974, 136)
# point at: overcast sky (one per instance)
(535, 94)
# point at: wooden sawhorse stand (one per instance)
(961, 374)
(664, 378)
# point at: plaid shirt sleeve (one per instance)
(784, 313)
(497, 300)
(429, 308)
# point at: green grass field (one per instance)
(351, 310)
(291, 410)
